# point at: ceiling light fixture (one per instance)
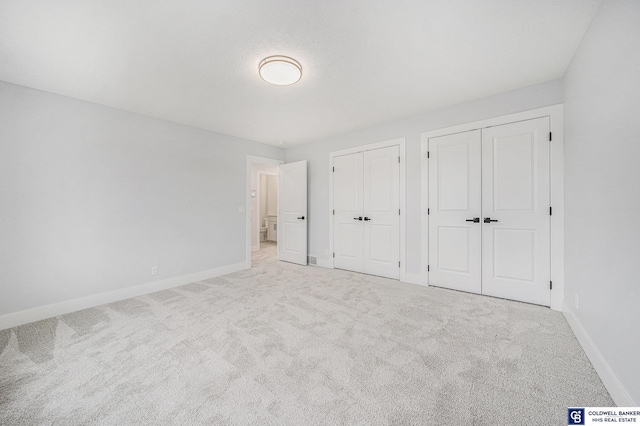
(280, 70)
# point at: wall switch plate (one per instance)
(154, 270)
(326, 252)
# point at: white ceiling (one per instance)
(364, 61)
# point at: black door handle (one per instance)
(301, 217)
(474, 220)
(357, 218)
(488, 219)
(367, 218)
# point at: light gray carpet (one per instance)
(290, 345)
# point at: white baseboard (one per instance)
(616, 390)
(418, 279)
(36, 314)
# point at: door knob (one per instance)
(474, 220)
(367, 218)
(301, 217)
(357, 218)
(488, 219)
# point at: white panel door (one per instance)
(382, 212)
(292, 212)
(348, 212)
(454, 211)
(515, 211)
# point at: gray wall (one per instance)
(317, 154)
(92, 197)
(602, 178)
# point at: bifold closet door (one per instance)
(515, 211)
(454, 211)
(366, 219)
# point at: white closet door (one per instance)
(381, 225)
(515, 211)
(348, 216)
(292, 212)
(454, 211)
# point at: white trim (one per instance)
(400, 142)
(555, 114)
(368, 147)
(259, 160)
(556, 122)
(618, 393)
(424, 205)
(550, 111)
(36, 314)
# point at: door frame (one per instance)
(248, 228)
(556, 178)
(400, 142)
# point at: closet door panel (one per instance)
(454, 201)
(515, 204)
(381, 198)
(348, 206)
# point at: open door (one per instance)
(292, 212)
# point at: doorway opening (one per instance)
(262, 208)
(265, 231)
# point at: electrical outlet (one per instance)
(154, 270)
(577, 302)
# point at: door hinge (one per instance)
(398, 212)
(427, 268)
(334, 255)
(398, 158)
(428, 210)
(550, 211)
(334, 212)
(550, 285)
(398, 264)
(550, 136)
(427, 154)
(333, 169)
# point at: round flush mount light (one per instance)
(280, 70)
